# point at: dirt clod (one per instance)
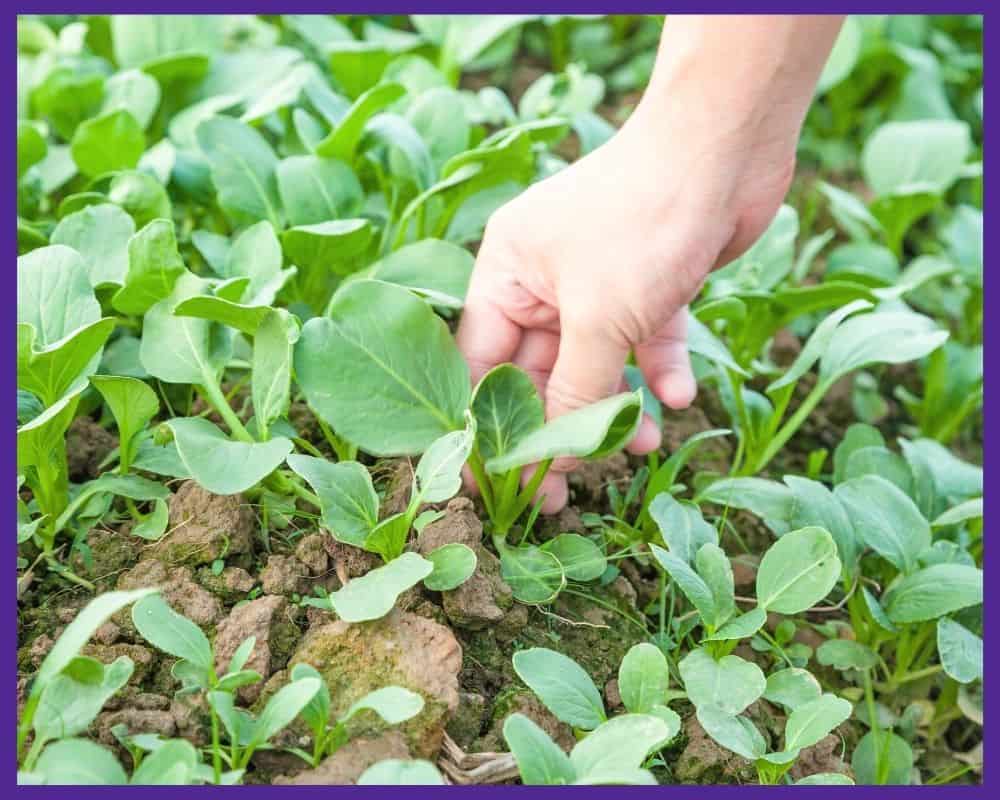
(460, 524)
(483, 599)
(178, 588)
(350, 761)
(284, 575)
(87, 445)
(204, 526)
(312, 554)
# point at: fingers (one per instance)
(665, 363)
(554, 490)
(486, 336)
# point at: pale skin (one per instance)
(601, 259)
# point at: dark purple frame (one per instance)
(991, 335)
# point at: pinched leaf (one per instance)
(715, 570)
(388, 538)
(221, 465)
(706, 344)
(383, 370)
(885, 519)
(347, 497)
(798, 571)
(154, 266)
(682, 526)
(562, 685)
(283, 707)
(539, 760)
(960, 651)
(643, 678)
(373, 595)
(933, 592)
(594, 431)
(453, 563)
(731, 683)
(690, 582)
(507, 408)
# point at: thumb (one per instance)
(588, 368)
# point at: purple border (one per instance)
(991, 334)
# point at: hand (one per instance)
(602, 258)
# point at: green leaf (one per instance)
(970, 509)
(179, 349)
(797, 571)
(388, 538)
(154, 267)
(393, 704)
(810, 722)
(878, 748)
(539, 759)
(153, 525)
(690, 582)
(68, 706)
(643, 678)
(581, 559)
(923, 155)
(933, 592)
(107, 143)
(256, 254)
(620, 744)
(396, 772)
(41, 449)
(438, 475)
(100, 233)
(131, 486)
(49, 372)
(792, 687)
(373, 595)
(223, 466)
(315, 190)
(54, 295)
(348, 501)
(885, 519)
(960, 651)
(173, 763)
(133, 91)
(715, 570)
(534, 576)
(283, 707)
(562, 685)
(702, 341)
(844, 654)
(681, 525)
(825, 779)
(343, 139)
(453, 563)
(881, 337)
(335, 245)
(594, 431)
(740, 627)
(171, 632)
(731, 683)
(271, 367)
(133, 404)
(817, 506)
(732, 732)
(31, 146)
(243, 170)
(433, 268)
(79, 762)
(767, 499)
(383, 370)
(507, 408)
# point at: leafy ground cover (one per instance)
(244, 550)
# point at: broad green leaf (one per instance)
(31, 146)
(221, 465)
(740, 627)
(133, 404)
(335, 245)
(933, 592)
(54, 295)
(878, 748)
(706, 344)
(731, 683)
(383, 370)
(797, 571)
(880, 461)
(622, 743)
(244, 318)
(316, 713)
(68, 706)
(171, 632)
(154, 524)
(594, 431)
(817, 506)
(373, 595)
(154, 267)
(507, 408)
(767, 262)
(438, 475)
(845, 654)
(281, 93)
(881, 337)
(792, 687)
(283, 707)
(343, 139)
(643, 678)
(79, 762)
(433, 268)
(581, 559)
(179, 349)
(885, 519)
(539, 759)
(243, 170)
(970, 509)
(878, 613)
(734, 733)
(715, 570)
(810, 722)
(133, 91)
(41, 447)
(347, 497)
(315, 190)
(107, 143)
(49, 372)
(825, 779)
(681, 525)
(923, 155)
(769, 500)
(534, 576)
(173, 762)
(145, 40)
(697, 591)
(453, 563)
(131, 486)
(396, 772)
(393, 704)
(562, 685)
(255, 254)
(388, 538)
(960, 651)
(952, 477)
(271, 367)
(79, 631)
(100, 234)
(843, 57)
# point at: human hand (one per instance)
(602, 258)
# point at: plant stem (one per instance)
(213, 394)
(789, 428)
